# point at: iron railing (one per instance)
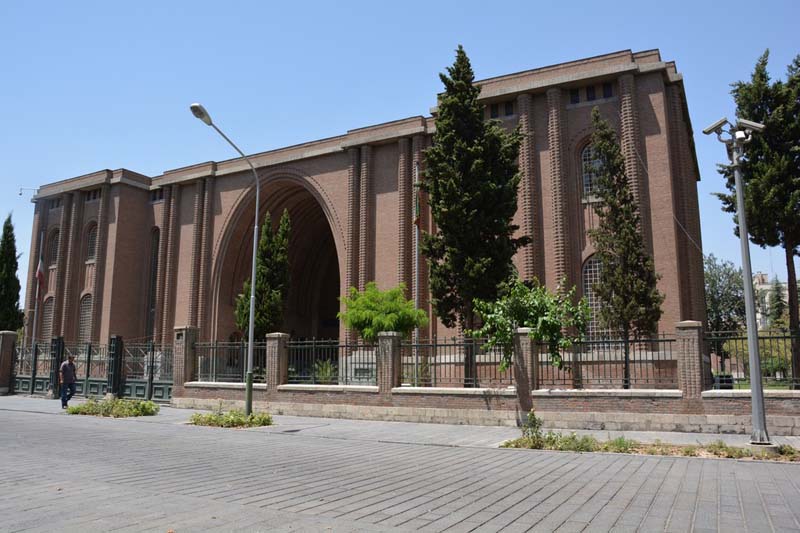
(329, 362)
(455, 362)
(226, 362)
(611, 364)
(730, 359)
(147, 360)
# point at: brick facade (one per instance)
(353, 207)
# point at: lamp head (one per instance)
(200, 112)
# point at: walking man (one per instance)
(67, 379)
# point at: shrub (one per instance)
(373, 311)
(619, 445)
(231, 419)
(115, 408)
(326, 371)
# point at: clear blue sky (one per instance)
(93, 85)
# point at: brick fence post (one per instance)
(184, 362)
(8, 340)
(524, 370)
(387, 360)
(689, 337)
(277, 360)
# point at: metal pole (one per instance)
(759, 434)
(248, 395)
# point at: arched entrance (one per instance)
(313, 300)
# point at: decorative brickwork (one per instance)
(171, 259)
(184, 358)
(97, 284)
(365, 218)
(163, 226)
(64, 232)
(71, 262)
(205, 238)
(197, 231)
(528, 188)
(525, 369)
(629, 124)
(689, 337)
(558, 185)
(404, 222)
(39, 223)
(353, 213)
(388, 362)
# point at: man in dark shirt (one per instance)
(67, 377)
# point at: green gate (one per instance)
(35, 367)
(147, 371)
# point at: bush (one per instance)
(115, 408)
(619, 445)
(373, 311)
(231, 419)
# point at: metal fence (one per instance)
(611, 364)
(730, 359)
(454, 362)
(226, 362)
(146, 360)
(329, 362)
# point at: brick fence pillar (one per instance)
(387, 360)
(277, 360)
(8, 340)
(691, 372)
(525, 370)
(184, 362)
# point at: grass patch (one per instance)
(231, 419)
(116, 408)
(534, 438)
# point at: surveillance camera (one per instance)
(742, 135)
(750, 125)
(716, 127)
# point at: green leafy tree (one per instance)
(777, 305)
(373, 311)
(10, 313)
(724, 295)
(272, 280)
(627, 286)
(471, 179)
(771, 170)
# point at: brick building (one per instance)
(137, 256)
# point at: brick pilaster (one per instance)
(365, 218)
(72, 261)
(629, 125)
(8, 340)
(163, 225)
(421, 290)
(197, 231)
(387, 360)
(205, 257)
(63, 241)
(528, 188)
(351, 261)
(184, 362)
(39, 224)
(557, 185)
(97, 283)
(691, 372)
(277, 360)
(405, 224)
(171, 259)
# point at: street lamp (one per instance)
(200, 112)
(735, 137)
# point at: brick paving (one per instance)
(70, 473)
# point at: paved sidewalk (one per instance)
(71, 473)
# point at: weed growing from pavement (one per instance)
(534, 438)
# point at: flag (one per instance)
(40, 271)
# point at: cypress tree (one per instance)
(631, 303)
(10, 313)
(272, 280)
(471, 179)
(776, 308)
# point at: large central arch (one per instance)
(313, 256)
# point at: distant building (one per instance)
(137, 256)
(762, 286)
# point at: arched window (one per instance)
(91, 243)
(47, 320)
(52, 248)
(589, 164)
(85, 320)
(151, 291)
(590, 276)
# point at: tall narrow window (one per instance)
(494, 110)
(509, 108)
(608, 91)
(91, 243)
(47, 320)
(590, 95)
(574, 96)
(591, 275)
(85, 320)
(589, 164)
(151, 290)
(52, 248)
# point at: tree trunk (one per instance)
(794, 330)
